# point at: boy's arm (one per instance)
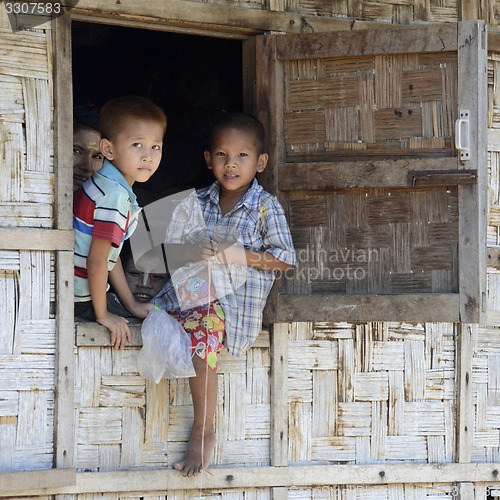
(97, 271)
(120, 285)
(231, 254)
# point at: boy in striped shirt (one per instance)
(105, 209)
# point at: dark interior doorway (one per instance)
(193, 78)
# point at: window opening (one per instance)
(193, 78)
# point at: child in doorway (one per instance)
(245, 233)
(105, 209)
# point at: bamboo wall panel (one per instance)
(380, 106)
(26, 141)
(390, 397)
(27, 349)
(375, 241)
(123, 421)
(486, 339)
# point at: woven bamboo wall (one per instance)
(376, 392)
(372, 240)
(486, 364)
(27, 332)
(370, 106)
(123, 421)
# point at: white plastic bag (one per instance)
(166, 348)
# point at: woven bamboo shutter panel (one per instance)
(388, 217)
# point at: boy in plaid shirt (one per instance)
(241, 230)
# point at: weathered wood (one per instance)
(472, 86)
(65, 380)
(469, 10)
(63, 133)
(493, 41)
(36, 480)
(36, 239)
(91, 334)
(355, 308)
(369, 174)
(465, 421)
(279, 394)
(493, 257)
(421, 178)
(204, 18)
(161, 481)
(466, 491)
(399, 40)
(269, 109)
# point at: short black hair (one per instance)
(239, 121)
(115, 112)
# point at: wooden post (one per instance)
(279, 394)
(464, 397)
(63, 134)
(472, 100)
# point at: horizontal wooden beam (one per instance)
(413, 308)
(91, 334)
(36, 239)
(357, 174)
(37, 480)
(208, 19)
(397, 40)
(155, 482)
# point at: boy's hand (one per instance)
(229, 253)
(120, 332)
(203, 250)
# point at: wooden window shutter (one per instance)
(378, 153)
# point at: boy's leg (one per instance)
(202, 439)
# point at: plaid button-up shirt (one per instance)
(257, 222)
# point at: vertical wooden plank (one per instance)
(464, 392)
(63, 123)
(279, 394)
(269, 105)
(466, 491)
(472, 96)
(249, 76)
(277, 5)
(468, 10)
(279, 493)
(63, 134)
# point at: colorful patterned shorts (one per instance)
(205, 323)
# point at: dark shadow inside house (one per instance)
(193, 78)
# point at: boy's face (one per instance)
(136, 150)
(144, 286)
(235, 160)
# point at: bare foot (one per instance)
(198, 453)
